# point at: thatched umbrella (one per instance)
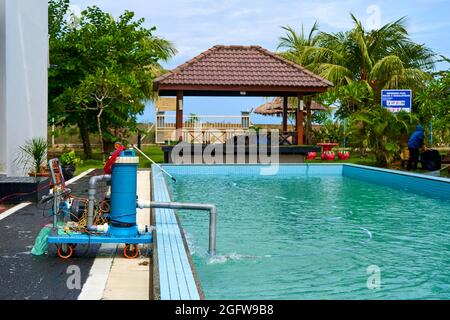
(275, 107)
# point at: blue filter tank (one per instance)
(123, 195)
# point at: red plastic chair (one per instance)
(311, 155)
(328, 155)
(343, 155)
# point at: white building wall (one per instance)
(23, 77)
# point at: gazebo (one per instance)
(241, 71)
(250, 71)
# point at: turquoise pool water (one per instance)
(297, 237)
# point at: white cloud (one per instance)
(196, 25)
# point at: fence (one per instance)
(202, 128)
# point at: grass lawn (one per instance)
(368, 160)
(153, 151)
(88, 164)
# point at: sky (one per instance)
(194, 26)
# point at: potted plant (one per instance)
(32, 157)
(69, 162)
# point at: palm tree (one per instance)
(384, 58)
(300, 48)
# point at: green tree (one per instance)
(349, 97)
(433, 103)
(329, 131)
(382, 131)
(300, 47)
(384, 58)
(65, 72)
(361, 63)
(102, 69)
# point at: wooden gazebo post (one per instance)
(179, 116)
(299, 120)
(308, 119)
(285, 113)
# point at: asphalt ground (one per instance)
(29, 277)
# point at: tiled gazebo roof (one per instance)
(251, 69)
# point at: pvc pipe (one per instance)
(190, 206)
(99, 228)
(143, 228)
(93, 181)
(103, 228)
(55, 208)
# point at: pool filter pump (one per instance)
(92, 225)
(122, 219)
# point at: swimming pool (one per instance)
(317, 232)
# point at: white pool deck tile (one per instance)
(175, 273)
(13, 210)
(113, 277)
(129, 279)
(95, 284)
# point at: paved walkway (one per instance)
(129, 279)
(105, 274)
(24, 276)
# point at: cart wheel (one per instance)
(131, 251)
(65, 253)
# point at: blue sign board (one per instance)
(396, 100)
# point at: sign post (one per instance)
(397, 100)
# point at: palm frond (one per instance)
(384, 68)
(333, 72)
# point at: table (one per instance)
(327, 146)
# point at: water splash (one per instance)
(220, 259)
(333, 218)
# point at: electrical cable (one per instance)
(13, 195)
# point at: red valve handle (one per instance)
(108, 165)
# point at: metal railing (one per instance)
(201, 128)
(288, 138)
(191, 206)
(204, 122)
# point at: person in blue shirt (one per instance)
(414, 144)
